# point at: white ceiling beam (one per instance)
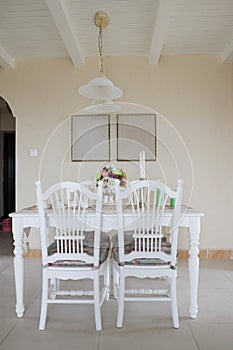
(61, 17)
(6, 60)
(227, 54)
(160, 30)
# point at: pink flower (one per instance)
(104, 173)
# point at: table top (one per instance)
(107, 210)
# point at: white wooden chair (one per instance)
(140, 248)
(75, 250)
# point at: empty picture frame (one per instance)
(90, 138)
(136, 133)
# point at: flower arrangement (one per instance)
(110, 171)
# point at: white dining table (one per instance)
(25, 219)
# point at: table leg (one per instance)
(18, 268)
(193, 263)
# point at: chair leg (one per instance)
(115, 282)
(98, 324)
(175, 317)
(44, 304)
(121, 295)
(107, 279)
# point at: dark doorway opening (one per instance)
(7, 176)
(8, 173)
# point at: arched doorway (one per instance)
(7, 160)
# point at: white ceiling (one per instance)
(40, 29)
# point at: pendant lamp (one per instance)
(100, 89)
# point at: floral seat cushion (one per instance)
(129, 247)
(88, 248)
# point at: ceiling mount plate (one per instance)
(101, 19)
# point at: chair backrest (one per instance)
(140, 212)
(64, 207)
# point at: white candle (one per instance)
(140, 158)
(142, 165)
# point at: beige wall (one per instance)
(193, 97)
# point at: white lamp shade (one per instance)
(100, 88)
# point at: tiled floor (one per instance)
(145, 327)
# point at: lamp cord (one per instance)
(100, 46)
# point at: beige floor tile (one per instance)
(213, 336)
(216, 274)
(138, 338)
(26, 336)
(215, 306)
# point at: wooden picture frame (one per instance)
(90, 138)
(136, 133)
